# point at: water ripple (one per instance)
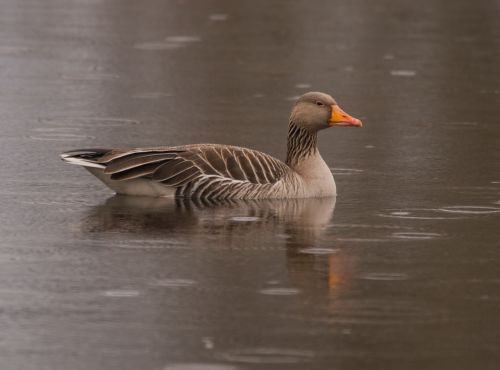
(474, 210)
(370, 226)
(418, 214)
(174, 283)
(303, 86)
(416, 235)
(280, 291)
(90, 77)
(268, 355)
(461, 124)
(218, 17)
(368, 240)
(199, 366)
(183, 39)
(345, 171)
(403, 73)
(385, 276)
(158, 46)
(319, 251)
(245, 219)
(53, 136)
(121, 293)
(75, 121)
(151, 95)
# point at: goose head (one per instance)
(315, 111)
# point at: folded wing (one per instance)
(194, 170)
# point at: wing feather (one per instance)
(257, 166)
(234, 169)
(136, 172)
(115, 154)
(215, 160)
(171, 168)
(247, 168)
(195, 170)
(137, 160)
(182, 177)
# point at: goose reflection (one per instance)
(299, 221)
(295, 226)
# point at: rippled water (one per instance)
(401, 271)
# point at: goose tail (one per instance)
(85, 157)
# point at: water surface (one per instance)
(401, 271)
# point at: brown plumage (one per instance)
(223, 171)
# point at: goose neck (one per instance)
(301, 144)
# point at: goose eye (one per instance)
(319, 104)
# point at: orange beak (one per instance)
(341, 118)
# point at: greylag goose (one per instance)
(215, 171)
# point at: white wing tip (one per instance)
(80, 162)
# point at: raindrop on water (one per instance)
(151, 95)
(268, 355)
(403, 73)
(245, 219)
(120, 293)
(90, 77)
(199, 366)
(461, 123)
(319, 251)
(475, 210)
(182, 39)
(416, 235)
(385, 276)
(173, 283)
(61, 137)
(280, 291)
(303, 86)
(218, 17)
(208, 342)
(345, 171)
(158, 45)
(419, 214)
(90, 122)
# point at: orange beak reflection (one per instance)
(341, 118)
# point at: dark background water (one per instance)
(405, 275)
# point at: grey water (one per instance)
(400, 271)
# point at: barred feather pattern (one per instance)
(300, 144)
(207, 171)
